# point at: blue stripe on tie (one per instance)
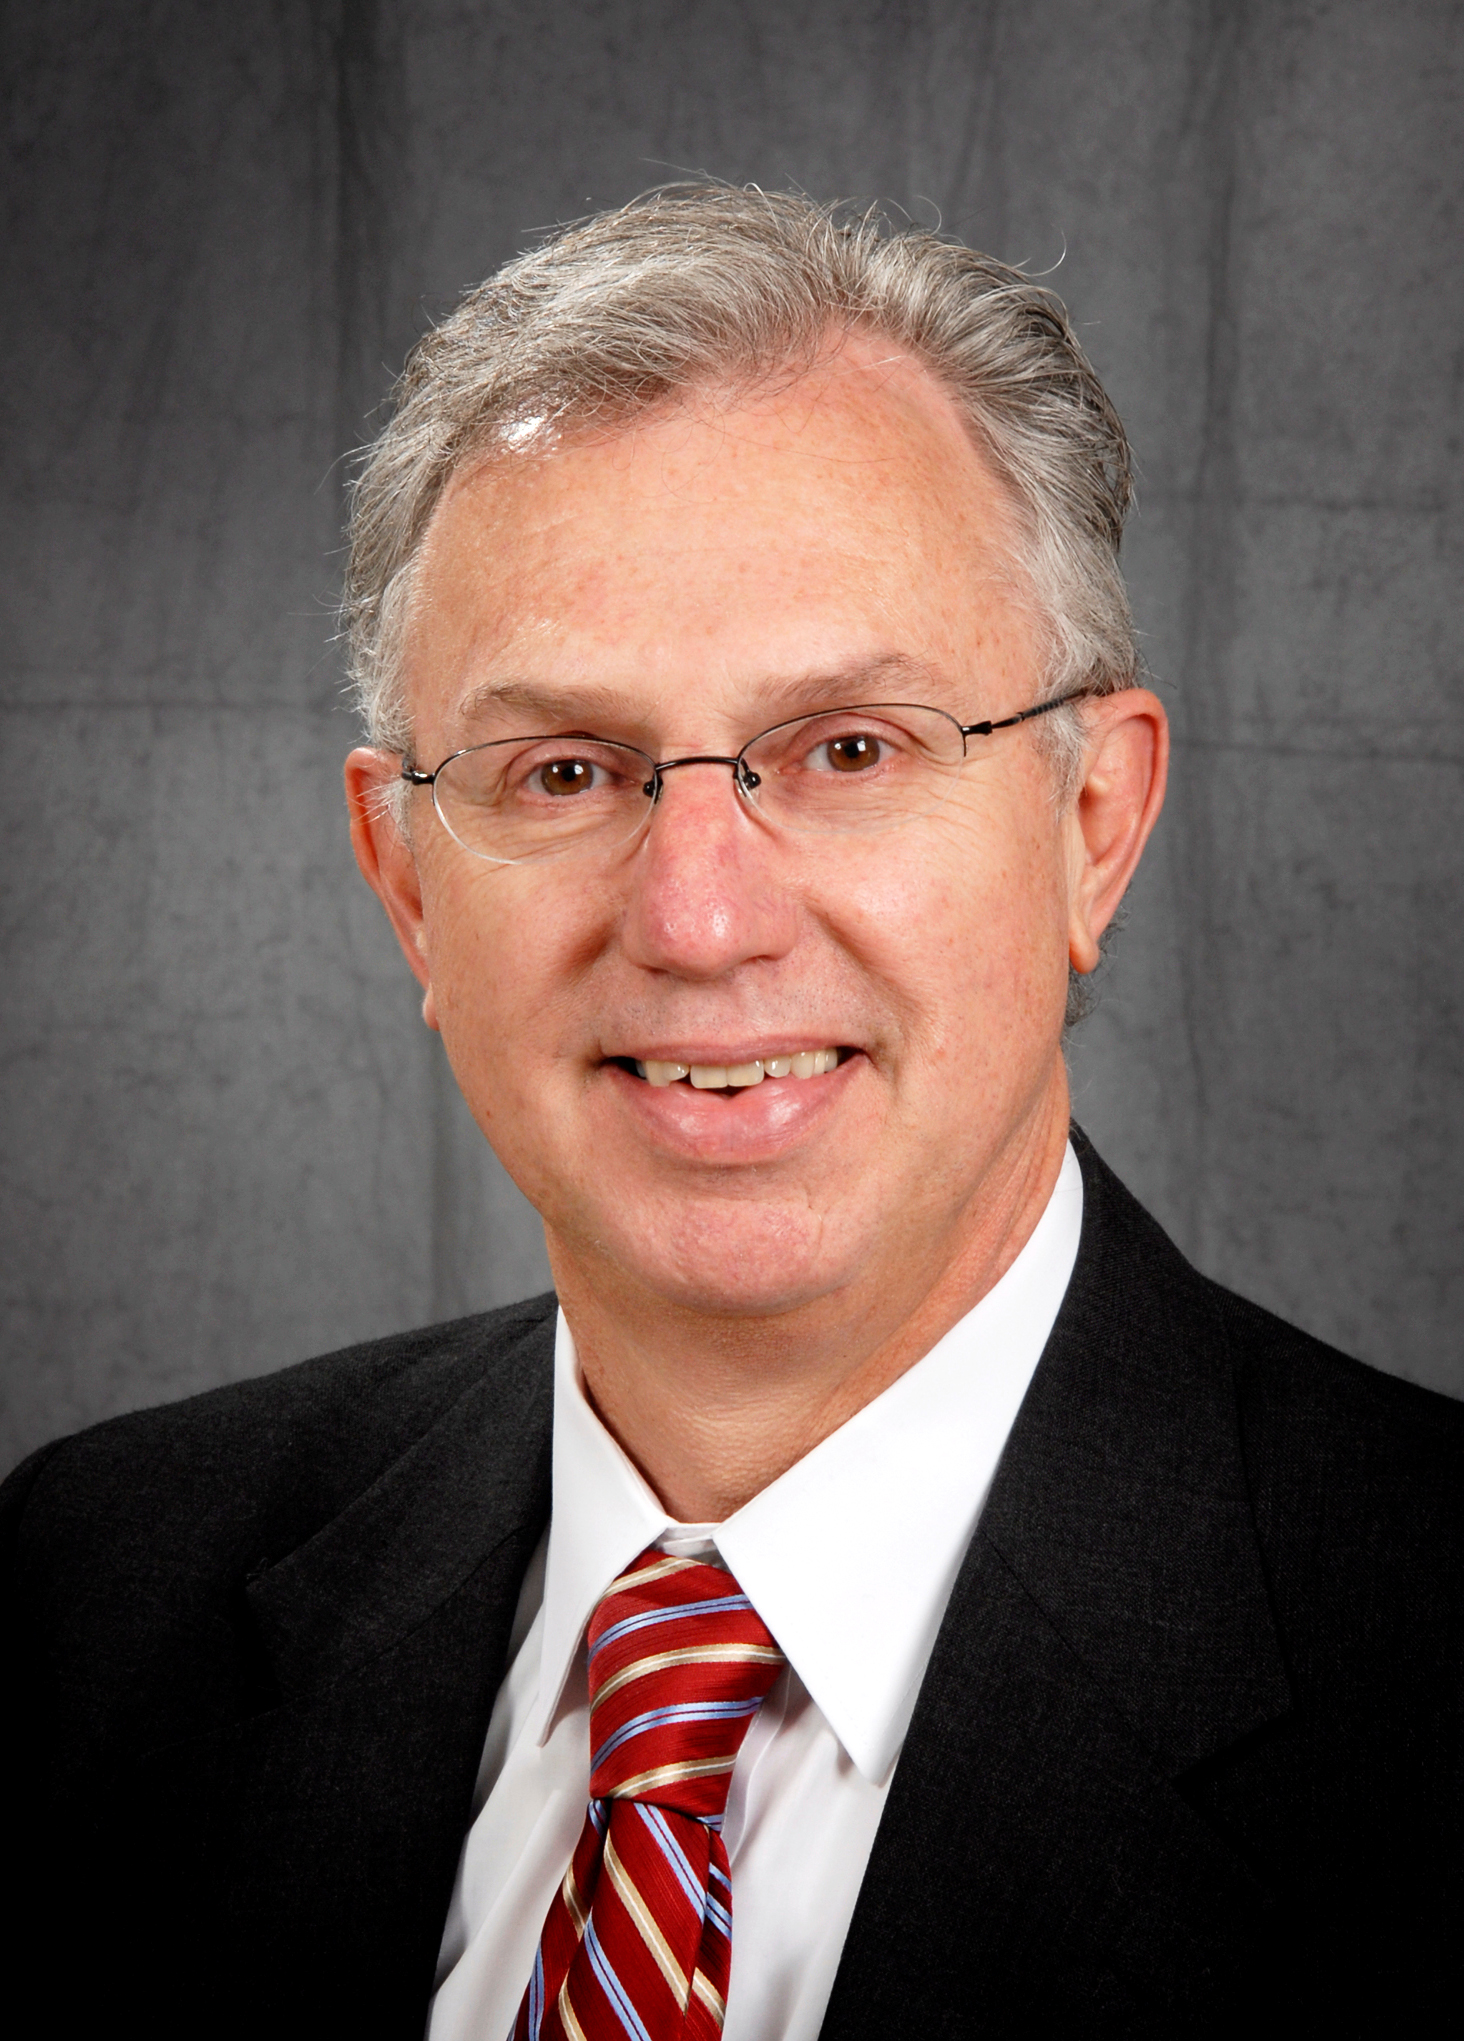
(672, 1851)
(660, 1718)
(718, 1915)
(614, 1990)
(536, 1998)
(629, 1623)
(720, 1876)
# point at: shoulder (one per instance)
(1313, 1420)
(1310, 1412)
(242, 1474)
(1356, 1476)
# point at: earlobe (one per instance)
(1083, 949)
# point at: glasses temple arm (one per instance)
(1042, 709)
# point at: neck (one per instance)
(712, 1408)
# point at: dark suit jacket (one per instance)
(1186, 1755)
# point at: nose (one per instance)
(709, 888)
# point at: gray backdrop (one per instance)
(229, 1141)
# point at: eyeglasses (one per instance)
(835, 772)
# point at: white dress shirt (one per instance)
(849, 1558)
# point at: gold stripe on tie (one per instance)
(565, 2011)
(709, 1995)
(687, 1654)
(645, 1920)
(647, 1574)
(667, 1775)
(574, 1906)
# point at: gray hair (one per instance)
(700, 285)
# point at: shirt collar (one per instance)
(879, 1514)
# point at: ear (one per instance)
(386, 860)
(1126, 761)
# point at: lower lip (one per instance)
(754, 1124)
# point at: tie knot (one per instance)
(679, 1664)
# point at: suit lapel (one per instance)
(1037, 1868)
(325, 1830)
(366, 1581)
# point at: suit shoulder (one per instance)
(1306, 1381)
(262, 1461)
(1353, 1472)
(1294, 1387)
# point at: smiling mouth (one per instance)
(729, 1077)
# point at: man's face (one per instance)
(680, 585)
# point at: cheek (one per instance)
(965, 923)
(487, 968)
(511, 950)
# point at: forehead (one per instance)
(723, 550)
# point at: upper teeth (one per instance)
(721, 1076)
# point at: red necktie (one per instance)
(638, 1939)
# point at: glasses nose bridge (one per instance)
(742, 779)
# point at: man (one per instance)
(893, 1594)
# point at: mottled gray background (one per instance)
(229, 1141)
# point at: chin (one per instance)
(735, 1293)
(737, 1260)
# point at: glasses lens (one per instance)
(534, 797)
(855, 769)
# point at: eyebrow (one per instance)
(553, 703)
(586, 702)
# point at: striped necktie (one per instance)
(638, 1939)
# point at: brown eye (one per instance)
(567, 776)
(853, 754)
